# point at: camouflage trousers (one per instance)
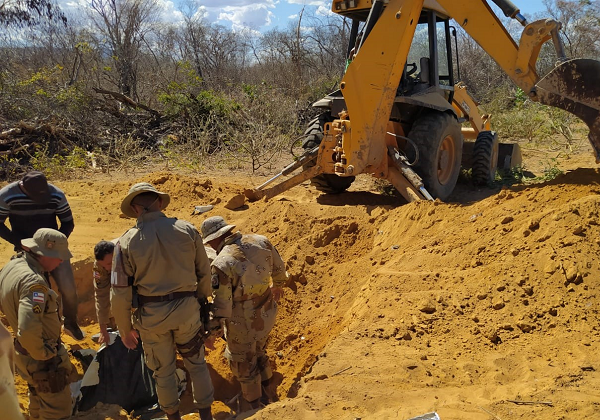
(45, 405)
(246, 346)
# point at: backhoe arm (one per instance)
(478, 19)
(370, 83)
(573, 85)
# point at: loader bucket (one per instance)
(575, 87)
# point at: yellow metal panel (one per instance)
(370, 83)
(466, 107)
(343, 7)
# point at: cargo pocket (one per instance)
(41, 382)
(151, 360)
(52, 302)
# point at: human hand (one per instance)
(130, 340)
(104, 336)
(277, 293)
(209, 342)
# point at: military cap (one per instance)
(49, 243)
(137, 189)
(214, 227)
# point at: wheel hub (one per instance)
(445, 159)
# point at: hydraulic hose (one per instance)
(510, 10)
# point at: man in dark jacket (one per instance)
(31, 204)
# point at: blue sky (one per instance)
(265, 14)
(258, 15)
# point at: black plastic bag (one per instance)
(124, 379)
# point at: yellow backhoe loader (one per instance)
(398, 113)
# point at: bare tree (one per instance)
(580, 25)
(194, 34)
(125, 24)
(29, 12)
(326, 43)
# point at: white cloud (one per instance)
(237, 14)
(219, 4)
(308, 2)
(169, 12)
(324, 11)
(252, 16)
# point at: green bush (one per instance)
(58, 166)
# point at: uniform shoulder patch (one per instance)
(37, 309)
(38, 288)
(38, 297)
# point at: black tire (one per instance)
(485, 158)
(327, 183)
(439, 141)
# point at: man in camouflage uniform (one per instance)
(31, 307)
(245, 302)
(165, 260)
(103, 253)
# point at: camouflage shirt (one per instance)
(242, 272)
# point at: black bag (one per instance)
(124, 379)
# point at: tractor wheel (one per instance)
(439, 141)
(327, 183)
(485, 158)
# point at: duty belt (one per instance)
(166, 298)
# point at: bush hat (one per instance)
(137, 189)
(49, 243)
(35, 185)
(214, 227)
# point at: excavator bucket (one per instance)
(575, 87)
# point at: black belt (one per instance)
(166, 298)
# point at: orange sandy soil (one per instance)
(484, 307)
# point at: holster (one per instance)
(205, 311)
(51, 379)
(192, 347)
(135, 297)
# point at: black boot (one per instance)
(269, 393)
(205, 413)
(245, 405)
(174, 416)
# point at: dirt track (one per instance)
(466, 308)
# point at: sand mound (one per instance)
(394, 311)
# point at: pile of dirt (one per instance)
(476, 310)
